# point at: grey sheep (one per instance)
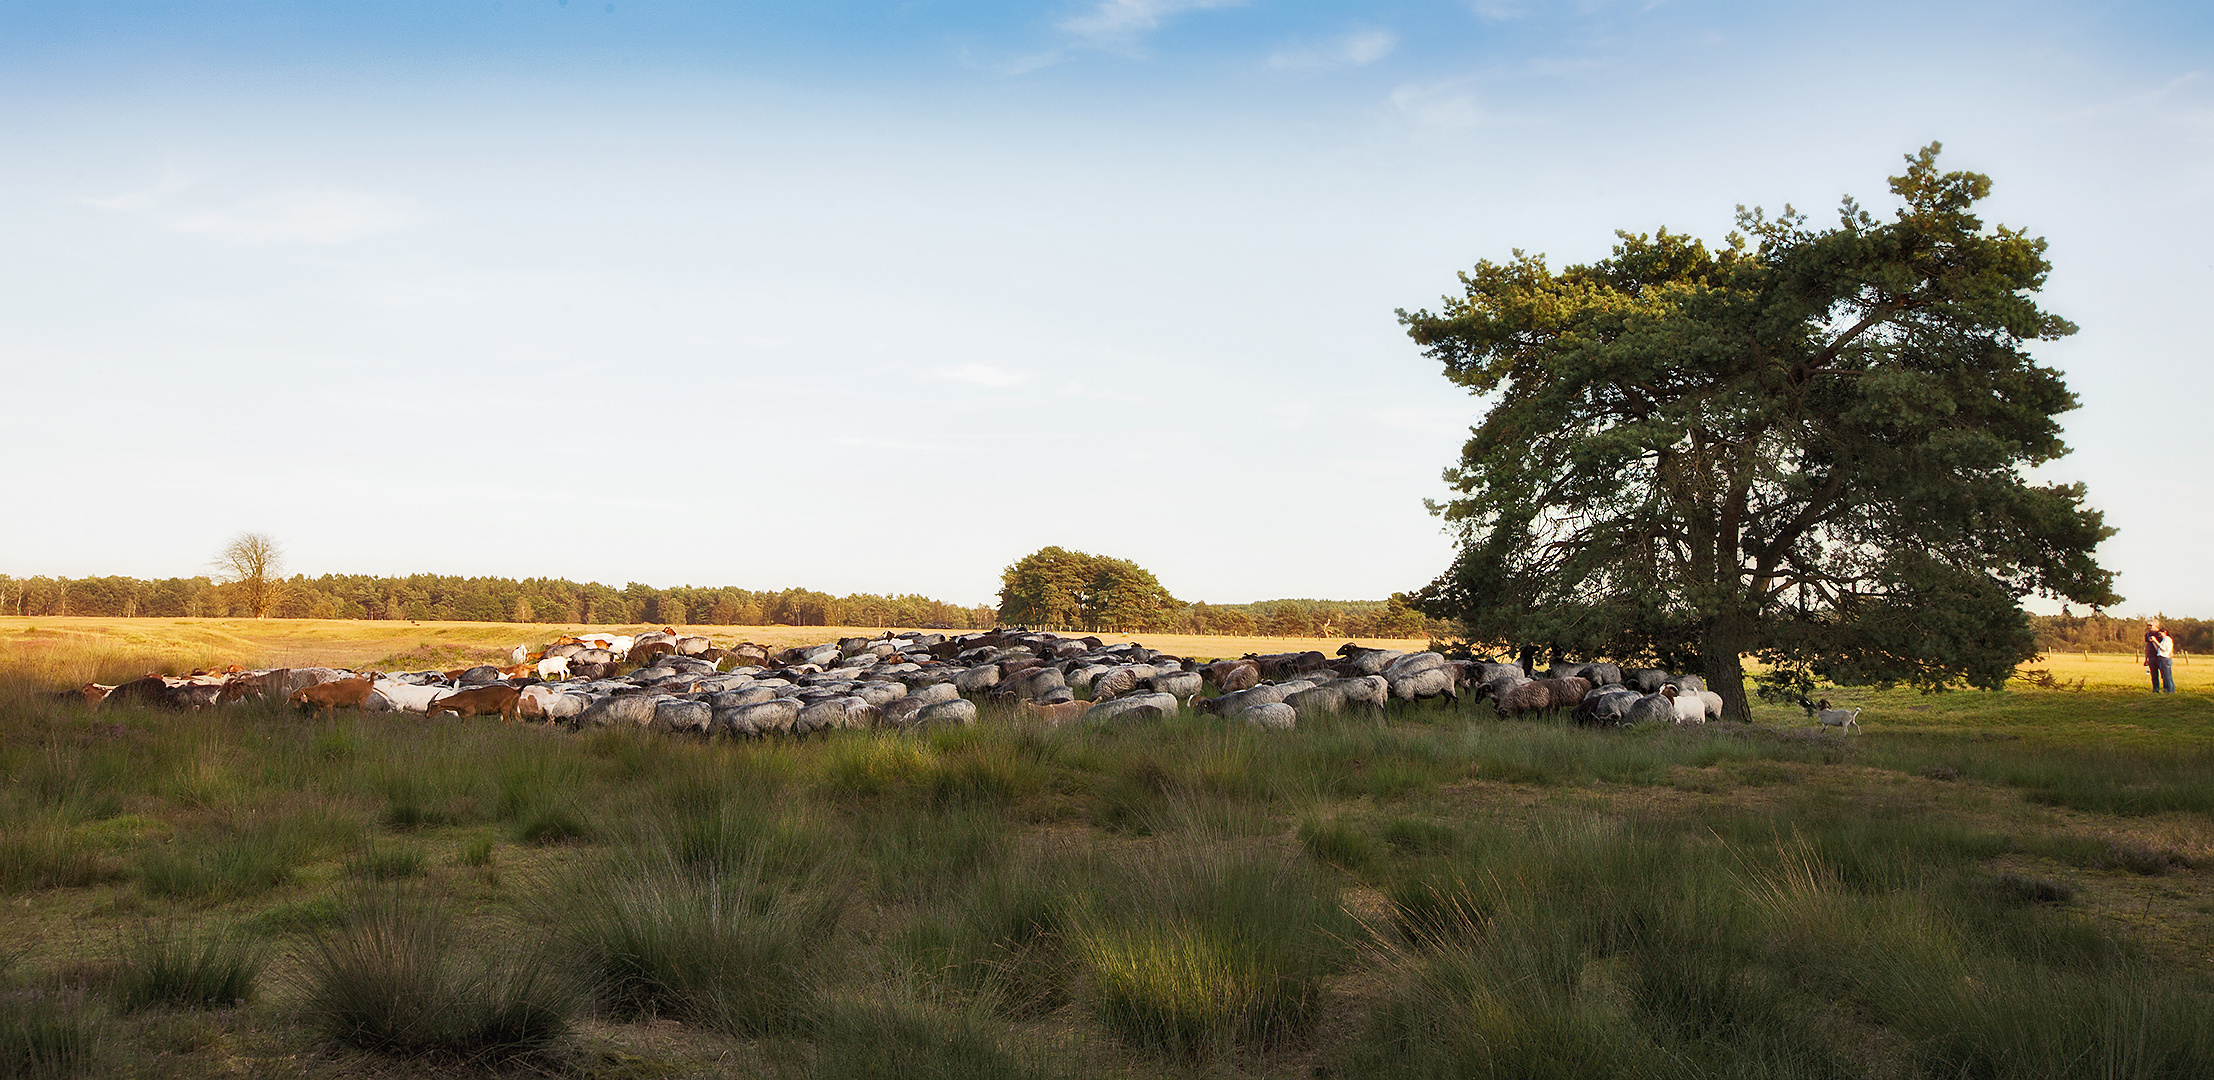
(676, 714)
(1271, 716)
(959, 712)
(1605, 705)
(976, 679)
(761, 718)
(1132, 707)
(1540, 695)
(1183, 684)
(633, 709)
(1425, 683)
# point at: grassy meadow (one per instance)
(1978, 885)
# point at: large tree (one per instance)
(250, 565)
(1807, 446)
(1059, 588)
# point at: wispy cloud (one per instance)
(1122, 25)
(1502, 10)
(1447, 104)
(1357, 49)
(980, 375)
(306, 216)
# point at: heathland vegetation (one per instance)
(1982, 884)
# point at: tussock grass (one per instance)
(2100, 780)
(386, 862)
(1001, 938)
(307, 916)
(1215, 947)
(1151, 899)
(389, 979)
(231, 862)
(713, 922)
(477, 852)
(903, 1036)
(51, 1032)
(1335, 843)
(44, 852)
(929, 852)
(163, 967)
(1632, 949)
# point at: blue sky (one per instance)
(881, 297)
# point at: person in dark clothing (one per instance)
(2160, 653)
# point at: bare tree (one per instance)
(250, 562)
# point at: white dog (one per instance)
(1842, 719)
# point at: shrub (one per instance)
(386, 980)
(163, 968)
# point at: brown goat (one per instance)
(481, 700)
(338, 694)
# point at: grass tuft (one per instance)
(477, 852)
(387, 980)
(900, 1038)
(1230, 952)
(2139, 859)
(50, 1032)
(2017, 889)
(1335, 843)
(162, 968)
(378, 862)
(45, 853)
(715, 944)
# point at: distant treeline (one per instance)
(479, 599)
(2103, 633)
(434, 597)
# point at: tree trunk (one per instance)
(1722, 654)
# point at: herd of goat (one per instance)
(682, 683)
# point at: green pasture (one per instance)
(2007, 884)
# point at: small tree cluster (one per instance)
(1073, 590)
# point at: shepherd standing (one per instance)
(2160, 653)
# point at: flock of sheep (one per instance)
(671, 682)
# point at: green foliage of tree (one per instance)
(486, 599)
(1055, 587)
(1810, 449)
(1117, 595)
(2102, 633)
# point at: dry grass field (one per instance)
(78, 650)
(1994, 885)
